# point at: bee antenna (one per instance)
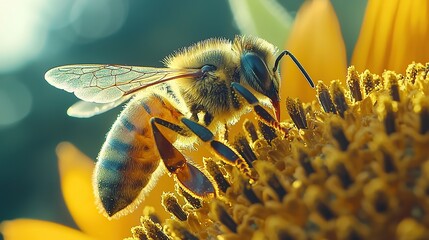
(301, 68)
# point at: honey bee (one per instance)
(202, 88)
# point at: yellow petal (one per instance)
(76, 181)
(317, 42)
(410, 35)
(23, 229)
(393, 34)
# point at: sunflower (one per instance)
(354, 165)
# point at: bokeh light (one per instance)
(25, 24)
(97, 18)
(15, 101)
(22, 32)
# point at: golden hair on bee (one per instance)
(201, 52)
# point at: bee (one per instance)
(203, 88)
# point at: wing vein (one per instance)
(106, 83)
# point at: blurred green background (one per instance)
(37, 35)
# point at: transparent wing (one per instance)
(107, 83)
(84, 109)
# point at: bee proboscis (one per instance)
(202, 88)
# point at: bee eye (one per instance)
(255, 70)
(207, 68)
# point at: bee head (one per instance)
(259, 67)
(257, 75)
(256, 55)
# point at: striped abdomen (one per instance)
(128, 161)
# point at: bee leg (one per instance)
(224, 152)
(263, 114)
(197, 109)
(187, 175)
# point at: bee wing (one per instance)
(82, 109)
(107, 83)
